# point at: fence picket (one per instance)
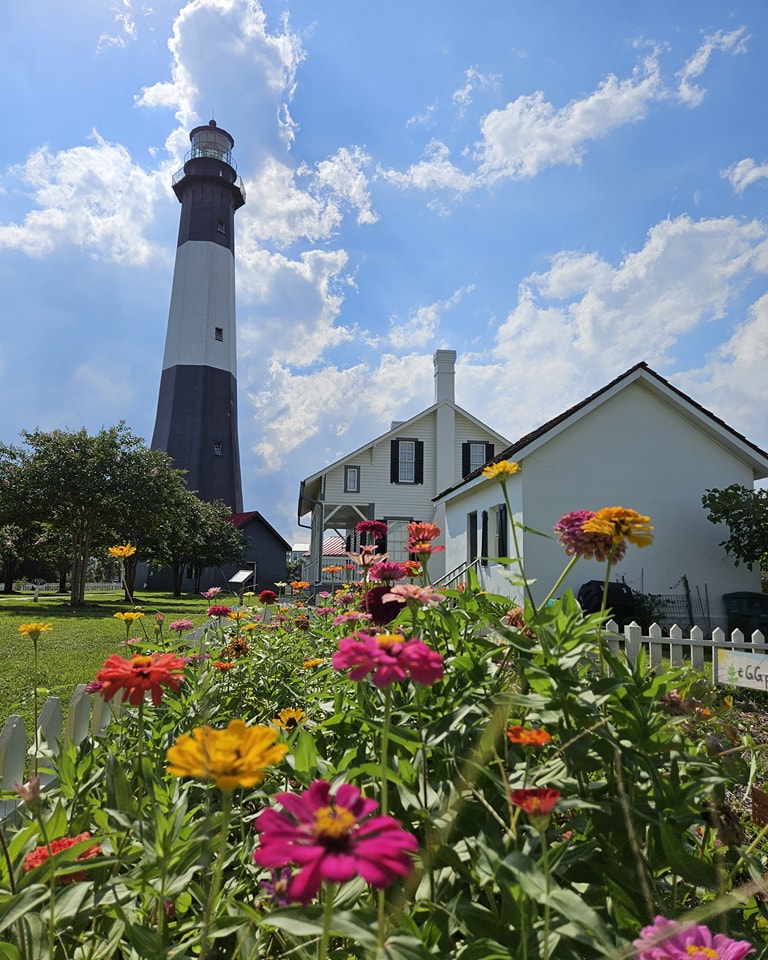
(656, 646)
(697, 648)
(675, 646)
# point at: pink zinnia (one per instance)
(181, 625)
(388, 657)
(405, 592)
(211, 592)
(670, 940)
(583, 543)
(388, 571)
(219, 611)
(334, 838)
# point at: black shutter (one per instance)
(503, 548)
(490, 449)
(465, 458)
(418, 467)
(394, 461)
(484, 540)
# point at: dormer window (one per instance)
(474, 454)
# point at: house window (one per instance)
(472, 536)
(474, 454)
(499, 529)
(218, 333)
(407, 461)
(220, 226)
(218, 449)
(351, 479)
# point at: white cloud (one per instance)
(744, 173)
(530, 134)
(734, 42)
(423, 324)
(344, 176)
(435, 172)
(92, 197)
(222, 49)
(350, 405)
(126, 28)
(474, 80)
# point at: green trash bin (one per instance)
(747, 612)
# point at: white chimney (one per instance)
(445, 374)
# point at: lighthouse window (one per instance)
(220, 226)
(218, 450)
(218, 333)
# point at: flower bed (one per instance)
(461, 780)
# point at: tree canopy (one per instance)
(745, 512)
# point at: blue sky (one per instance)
(555, 190)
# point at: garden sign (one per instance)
(741, 668)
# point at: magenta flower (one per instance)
(405, 592)
(377, 528)
(211, 592)
(332, 838)
(382, 612)
(350, 616)
(388, 571)
(670, 940)
(388, 657)
(580, 542)
(181, 625)
(219, 611)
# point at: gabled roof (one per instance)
(718, 429)
(240, 519)
(306, 491)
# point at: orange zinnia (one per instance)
(139, 675)
(527, 736)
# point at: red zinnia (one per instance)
(40, 854)
(537, 802)
(418, 532)
(380, 611)
(267, 596)
(332, 838)
(388, 657)
(140, 674)
(377, 528)
(218, 610)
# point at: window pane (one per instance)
(407, 450)
(476, 456)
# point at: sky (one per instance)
(556, 190)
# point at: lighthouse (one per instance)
(196, 421)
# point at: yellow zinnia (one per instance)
(121, 551)
(33, 630)
(128, 617)
(621, 523)
(501, 470)
(235, 757)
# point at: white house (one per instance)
(638, 442)
(397, 476)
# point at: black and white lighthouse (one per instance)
(196, 422)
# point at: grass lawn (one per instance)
(79, 643)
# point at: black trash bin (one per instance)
(747, 611)
(620, 599)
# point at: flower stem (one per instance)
(385, 752)
(218, 870)
(569, 566)
(322, 947)
(513, 525)
(547, 887)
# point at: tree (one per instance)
(90, 489)
(195, 534)
(745, 512)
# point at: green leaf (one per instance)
(119, 791)
(13, 908)
(695, 871)
(9, 951)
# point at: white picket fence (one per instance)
(89, 715)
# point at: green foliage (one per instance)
(645, 824)
(745, 512)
